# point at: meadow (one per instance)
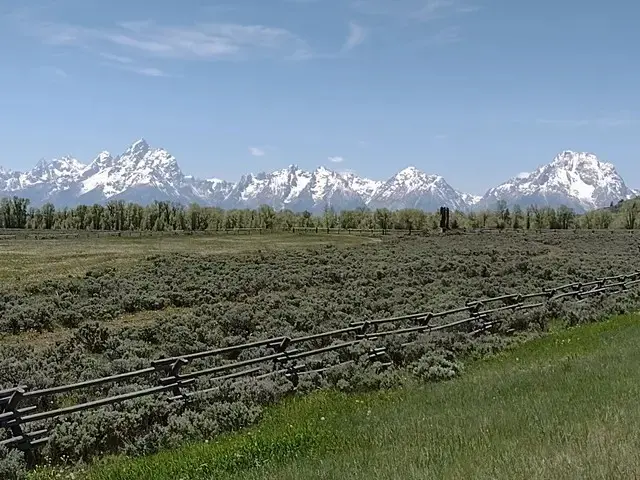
(43, 255)
(86, 316)
(559, 407)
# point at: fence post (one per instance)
(16, 429)
(173, 374)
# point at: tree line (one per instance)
(17, 213)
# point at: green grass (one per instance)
(29, 260)
(563, 406)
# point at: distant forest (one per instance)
(165, 216)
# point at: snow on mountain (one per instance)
(143, 174)
(47, 180)
(138, 167)
(294, 189)
(364, 187)
(326, 188)
(578, 180)
(9, 180)
(212, 191)
(411, 188)
(471, 200)
(57, 172)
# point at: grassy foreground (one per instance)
(563, 406)
(29, 260)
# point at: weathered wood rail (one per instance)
(61, 234)
(21, 413)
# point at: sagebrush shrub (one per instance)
(202, 302)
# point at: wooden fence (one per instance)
(21, 411)
(60, 234)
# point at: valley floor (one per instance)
(564, 406)
(31, 260)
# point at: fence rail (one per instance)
(16, 412)
(48, 234)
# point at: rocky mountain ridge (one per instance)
(143, 174)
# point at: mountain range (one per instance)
(143, 174)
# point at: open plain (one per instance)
(82, 309)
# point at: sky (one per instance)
(474, 90)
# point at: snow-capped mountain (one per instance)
(577, 180)
(143, 174)
(411, 188)
(295, 189)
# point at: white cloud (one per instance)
(147, 71)
(116, 58)
(204, 41)
(523, 175)
(357, 35)
(257, 152)
(423, 21)
(55, 72)
(432, 9)
(127, 64)
(336, 159)
(620, 119)
(414, 10)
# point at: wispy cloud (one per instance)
(152, 40)
(444, 36)
(336, 159)
(609, 121)
(146, 71)
(432, 9)
(56, 72)
(257, 152)
(415, 10)
(116, 58)
(357, 35)
(427, 23)
(128, 64)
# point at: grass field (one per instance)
(29, 260)
(66, 318)
(562, 406)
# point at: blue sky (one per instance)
(474, 90)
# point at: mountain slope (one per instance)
(411, 188)
(578, 180)
(139, 171)
(143, 174)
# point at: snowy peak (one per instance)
(364, 187)
(412, 188)
(66, 166)
(575, 160)
(271, 188)
(60, 172)
(577, 179)
(103, 160)
(138, 148)
(139, 166)
(143, 174)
